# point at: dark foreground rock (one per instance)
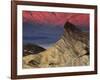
(32, 49)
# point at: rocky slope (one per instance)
(31, 49)
(71, 50)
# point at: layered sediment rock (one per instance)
(71, 50)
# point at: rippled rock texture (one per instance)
(71, 50)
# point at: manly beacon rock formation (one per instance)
(71, 50)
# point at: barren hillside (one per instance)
(71, 50)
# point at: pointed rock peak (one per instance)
(70, 27)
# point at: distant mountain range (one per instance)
(41, 34)
(71, 50)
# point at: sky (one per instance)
(46, 28)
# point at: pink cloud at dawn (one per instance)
(57, 18)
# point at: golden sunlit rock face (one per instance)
(71, 50)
